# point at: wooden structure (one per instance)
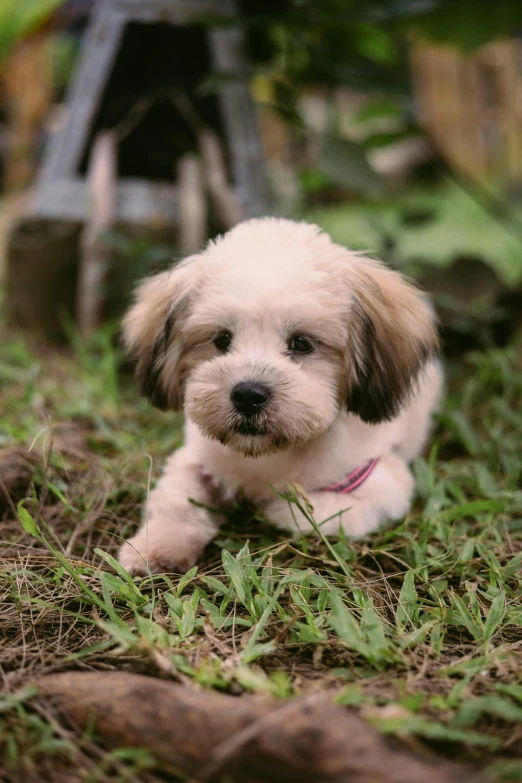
(117, 25)
(158, 121)
(472, 106)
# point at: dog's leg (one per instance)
(175, 531)
(385, 495)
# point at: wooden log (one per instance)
(42, 261)
(215, 737)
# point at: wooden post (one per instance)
(192, 205)
(95, 252)
(222, 195)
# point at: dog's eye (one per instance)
(222, 341)
(300, 344)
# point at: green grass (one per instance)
(419, 627)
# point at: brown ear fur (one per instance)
(148, 331)
(394, 334)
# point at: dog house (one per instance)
(140, 60)
(158, 137)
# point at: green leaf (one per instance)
(107, 601)
(495, 615)
(185, 579)
(27, 522)
(346, 165)
(10, 700)
(344, 623)
(469, 24)
(511, 689)
(265, 616)
(416, 724)
(187, 620)
(468, 550)
(423, 477)
(216, 585)
(376, 44)
(491, 704)
(176, 604)
(407, 609)
(245, 558)
(504, 770)
(418, 635)
(19, 19)
(238, 580)
(351, 696)
(471, 509)
(462, 616)
(120, 570)
(374, 632)
(255, 651)
(437, 639)
(485, 481)
(463, 431)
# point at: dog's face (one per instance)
(272, 331)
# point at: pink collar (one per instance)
(352, 480)
(350, 483)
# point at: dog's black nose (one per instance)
(249, 398)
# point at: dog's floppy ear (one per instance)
(150, 329)
(393, 332)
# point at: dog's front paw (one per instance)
(139, 557)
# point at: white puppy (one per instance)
(295, 360)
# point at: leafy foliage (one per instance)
(361, 43)
(19, 18)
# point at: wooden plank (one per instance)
(174, 11)
(98, 53)
(508, 56)
(241, 121)
(137, 201)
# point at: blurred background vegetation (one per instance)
(397, 126)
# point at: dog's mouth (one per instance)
(248, 428)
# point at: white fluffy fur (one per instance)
(367, 390)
